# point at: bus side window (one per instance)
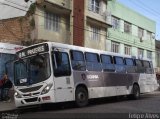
(93, 62)
(119, 64)
(147, 66)
(139, 65)
(130, 66)
(78, 62)
(107, 63)
(61, 64)
(151, 65)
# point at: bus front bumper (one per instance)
(34, 100)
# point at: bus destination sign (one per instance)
(33, 50)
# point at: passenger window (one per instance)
(106, 59)
(119, 60)
(119, 65)
(138, 63)
(77, 55)
(140, 68)
(78, 62)
(146, 64)
(93, 62)
(107, 63)
(61, 64)
(130, 68)
(129, 62)
(92, 57)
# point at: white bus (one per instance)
(7, 54)
(53, 72)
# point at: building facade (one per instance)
(77, 22)
(100, 24)
(158, 56)
(131, 33)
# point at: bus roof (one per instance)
(10, 48)
(83, 49)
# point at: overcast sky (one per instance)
(8, 11)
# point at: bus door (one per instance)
(62, 76)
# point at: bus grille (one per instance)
(29, 94)
(30, 89)
(31, 99)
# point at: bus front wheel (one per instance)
(81, 97)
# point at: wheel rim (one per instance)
(81, 97)
(136, 92)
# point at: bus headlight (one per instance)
(17, 95)
(46, 89)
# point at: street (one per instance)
(100, 108)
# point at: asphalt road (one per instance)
(147, 106)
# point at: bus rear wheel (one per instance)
(81, 96)
(136, 92)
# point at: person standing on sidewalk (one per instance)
(2, 81)
(6, 87)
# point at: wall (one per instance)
(62, 36)
(137, 20)
(99, 20)
(15, 30)
(78, 22)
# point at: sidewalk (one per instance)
(8, 106)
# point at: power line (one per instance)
(149, 7)
(145, 9)
(16, 3)
(53, 19)
(148, 10)
(13, 6)
(59, 21)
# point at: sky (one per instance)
(148, 8)
(6, 10)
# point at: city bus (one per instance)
(53, 72)
(7, 54)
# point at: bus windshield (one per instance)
(32, 70)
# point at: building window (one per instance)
(127, 27)
(127, 50)
(95, 33)
(51, 22)
(149, 35)
(149, 54)
(140, 32)
(140, 53)
(115, 23)
(94, 5)
(115, 47)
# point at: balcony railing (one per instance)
(117, 35)
(104, 17)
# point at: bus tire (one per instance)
(136, 92)
(81, 97)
